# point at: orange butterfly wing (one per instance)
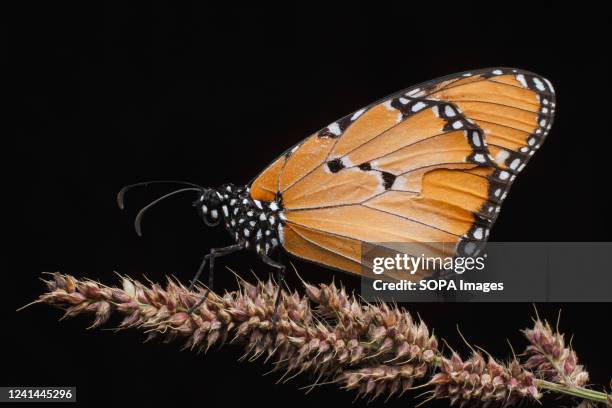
(430, 164)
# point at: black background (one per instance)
(112, 95)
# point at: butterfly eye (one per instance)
(211, 217)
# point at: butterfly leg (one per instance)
(280, 281)
(210, 259)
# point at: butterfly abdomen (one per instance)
(252, 222)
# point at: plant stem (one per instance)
(583, 393)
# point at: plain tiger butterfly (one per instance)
(432, 163)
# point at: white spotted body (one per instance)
(251, 222)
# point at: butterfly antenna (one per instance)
(121, 194)
(138, 219)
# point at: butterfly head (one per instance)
(209, 206)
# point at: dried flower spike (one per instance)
(299, 342)
(376, 349)
(550, 359)
(385, 380)
(488, 382)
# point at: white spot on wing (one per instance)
(515, 163)
(420, 105)
(501, 156)
(334, 129)
(552, 89)
(539, 84)
(346, 162)
(450, 112)
(521, 79)
(476, 139)
(470, 247)
(358, 114)
(414, 92)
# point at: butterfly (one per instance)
(429, 164)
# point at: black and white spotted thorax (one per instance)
(251, 222)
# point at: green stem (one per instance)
(583, 393)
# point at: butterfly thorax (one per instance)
(252, 222)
